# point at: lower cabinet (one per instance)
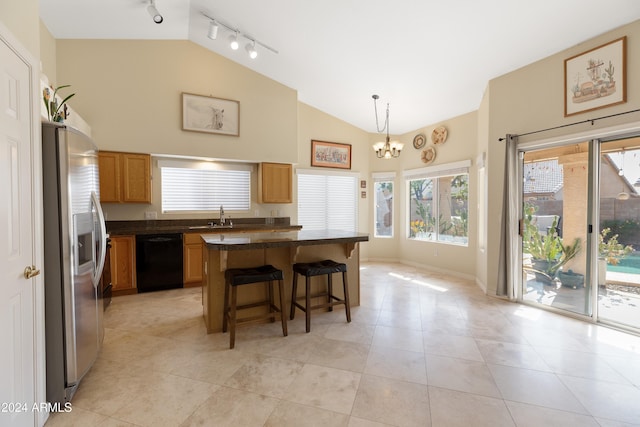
(192, 254)
(123, 264)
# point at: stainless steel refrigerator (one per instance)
(75, 246)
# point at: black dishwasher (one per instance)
(158, 261)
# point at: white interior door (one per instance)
(17, 353)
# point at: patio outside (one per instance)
(555, 220)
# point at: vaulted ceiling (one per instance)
(431, 60)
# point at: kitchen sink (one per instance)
(209, 227)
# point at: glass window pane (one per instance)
(453, 209)
(383, 197)
(554, 225)
(422, 224)
(618, 263)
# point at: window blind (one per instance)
(185, 189)
(327, 202)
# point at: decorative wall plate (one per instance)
(419, 140)
(439, 135)
(428, 155)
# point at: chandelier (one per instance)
(387, 149)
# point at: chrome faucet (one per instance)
(221, 215)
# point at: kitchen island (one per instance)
(280, 249)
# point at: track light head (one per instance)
(153, 12)
(213, 30)
(233, 39)
(251, 49)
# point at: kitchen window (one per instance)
(204, 187)
(327, 200)
(438, 203)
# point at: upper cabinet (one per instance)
(275, 183)
(124, 177)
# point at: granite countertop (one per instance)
(228, 242)
(240, 225)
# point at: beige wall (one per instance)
(129, 91)
(21, 17)
(460, 145)
(48, 54)
(532, 98)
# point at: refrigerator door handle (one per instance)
(103, 240)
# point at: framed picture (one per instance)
(211, 115)
(596, 78)
(330, 154)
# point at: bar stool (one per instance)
(319, 268)
(235, 277)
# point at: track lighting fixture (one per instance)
(213, 30)
(387, 149)
(251, 49)
(233, 39)
(234, 42)
(153, 12)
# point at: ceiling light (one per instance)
(233, 38)
(387, 149)
(251, 49)
(213, 30)
(155, 15)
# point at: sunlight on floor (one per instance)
(418, 282)
(528, 313)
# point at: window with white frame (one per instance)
(482, 202)
(438, 203)
(383, 203)
(327, 200)
(192, 186)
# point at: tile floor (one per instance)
(422, 349)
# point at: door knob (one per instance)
(31, 271)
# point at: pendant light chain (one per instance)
(386, 120)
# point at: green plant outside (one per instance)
(549, 247)
(427, 224)
(610, 249)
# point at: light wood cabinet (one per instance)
(192, 255)
(124, 177)
(123, 264)
(275, 183)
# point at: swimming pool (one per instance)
(629, 264)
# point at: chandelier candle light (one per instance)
(387, 149)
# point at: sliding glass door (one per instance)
(618, 258)
(554, 225)
(580, 229)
